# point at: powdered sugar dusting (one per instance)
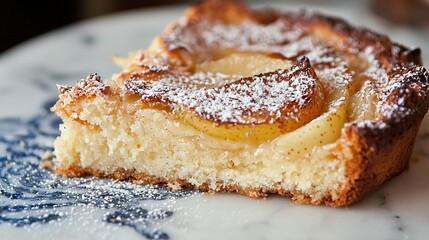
(375, 70)
(248, 33)
(91, 85)
(394, 89)
(206, 35)
(237, 102)
(401, 89)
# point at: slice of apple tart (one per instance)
(252, 101)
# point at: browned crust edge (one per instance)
(143, 178)
(372, 160)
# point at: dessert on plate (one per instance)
(250, 101)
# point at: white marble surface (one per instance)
(29, 72)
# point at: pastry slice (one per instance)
(250, 101)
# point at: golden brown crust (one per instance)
(369, 162)
(142, 178)
(91, 86)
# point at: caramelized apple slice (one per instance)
(244, 64)
(362, 103)
(323, 130)
(256, 108)
(267, 105)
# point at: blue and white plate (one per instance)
(35, 204)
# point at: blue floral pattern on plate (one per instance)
(31, 189)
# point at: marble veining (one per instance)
(89, 40)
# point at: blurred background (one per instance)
(22, 20)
